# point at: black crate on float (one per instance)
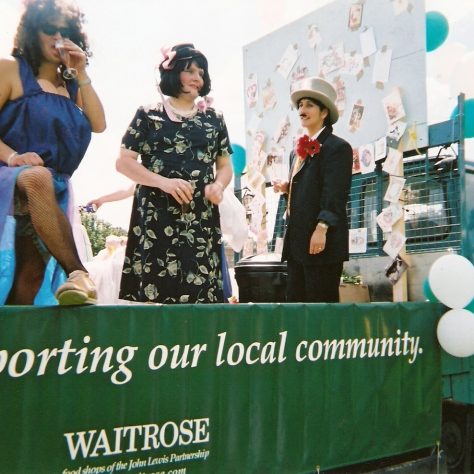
(261, 279)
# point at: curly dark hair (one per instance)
(186, 54)
(38, 13)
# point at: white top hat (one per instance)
(319, 89)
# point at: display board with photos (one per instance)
(373, 53)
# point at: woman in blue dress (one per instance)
(45, 129)
(174, 241)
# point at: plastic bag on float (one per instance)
(233, 221)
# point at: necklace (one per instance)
(54, 87)
(183, 113)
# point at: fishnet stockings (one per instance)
(37, 193)
(28, 274)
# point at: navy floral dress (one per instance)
(173, 253)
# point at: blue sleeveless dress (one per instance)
(56, 128)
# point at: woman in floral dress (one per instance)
(174, 241)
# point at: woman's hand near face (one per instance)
(87, 98)
(77, 57)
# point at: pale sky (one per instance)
(126, 37)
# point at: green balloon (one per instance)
(238, 159)
(437, 29)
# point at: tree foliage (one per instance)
(98, 230)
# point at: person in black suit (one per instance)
(316, 241)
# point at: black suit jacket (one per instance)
(320, 191)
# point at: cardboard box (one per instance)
(350, 293)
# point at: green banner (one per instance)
(249, 388)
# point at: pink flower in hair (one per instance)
(168, 57)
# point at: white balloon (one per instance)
(451, 280)
(455, 332)
(462, 76)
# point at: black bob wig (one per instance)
(170, 83)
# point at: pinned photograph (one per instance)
(358, 240)
(282, 130)
(314, 36)
(389, 216)
(268, 96)
(299, 73)
(355, 16)
(380, 148)
(355, 161)
(384, 220)
(355, 119)
(353, 64)
(367, 158)
(393, 106)
(340, 87)
(277, 150)
(288, 60)
(390, 165)
(254, 124)
(395, 269)
(259, 160)
(367, 42)
(256, 219)
(394, 243)
(251, 90)
(258, 141)
(400, 6)
(278, 169)
(382, 63)
(262, 241)
(395, 188)
(255, 181)
(395, 133)
(257, 202)
(332, 59)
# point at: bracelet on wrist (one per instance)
(10, 158)
(220, 185)
(323, 225)
(84, 82)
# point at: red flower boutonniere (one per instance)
(307, 147)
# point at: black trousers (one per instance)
(313, 283)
